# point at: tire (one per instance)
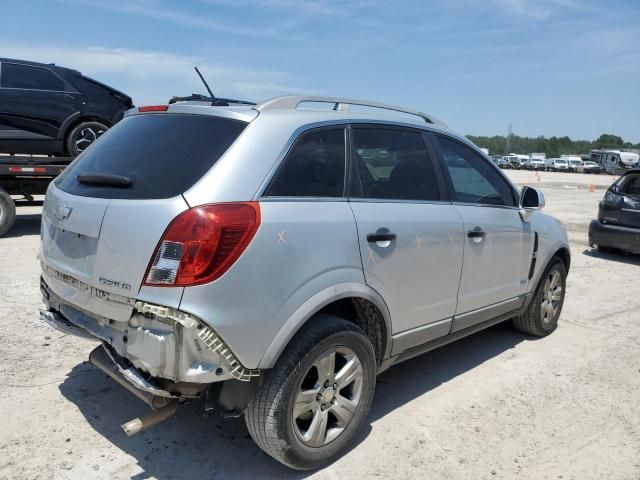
(538, 320)
(270, 416)
(83, 135)
(7, 212)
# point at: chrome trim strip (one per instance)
(469, 319)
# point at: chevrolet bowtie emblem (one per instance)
(62, 211)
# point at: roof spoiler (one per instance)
(224, 102)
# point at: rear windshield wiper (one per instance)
(105, 179)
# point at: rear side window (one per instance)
(474, 179)
(314, 167)
(630, 185)
(162, 154)
(14, 75)
(393, 164)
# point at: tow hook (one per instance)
(137, 425)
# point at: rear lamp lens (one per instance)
(201, 244)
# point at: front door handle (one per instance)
(477, 234)
(381, 237)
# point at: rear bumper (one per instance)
(171, 350)
(612, 236)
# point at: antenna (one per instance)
(213, 97)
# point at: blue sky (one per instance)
(549, 67)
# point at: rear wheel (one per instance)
(541, 317)
(83, 135)
(7, 212)
(315, 400)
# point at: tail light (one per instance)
(201, 244)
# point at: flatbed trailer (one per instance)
(25, 176)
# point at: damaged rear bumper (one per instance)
(170, 350)
(129, 378)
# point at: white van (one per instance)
(557, 164)
(574, 162)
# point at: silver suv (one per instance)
(272, 259)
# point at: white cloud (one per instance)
(154, 77)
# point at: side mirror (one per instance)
(530, 199)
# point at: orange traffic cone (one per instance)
(591, 189)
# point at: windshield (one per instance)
(159, 156)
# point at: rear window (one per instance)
(162, 154)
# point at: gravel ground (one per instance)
(495, 405)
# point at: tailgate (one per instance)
(96, 251)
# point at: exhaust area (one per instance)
(163, 407)
(137, 425)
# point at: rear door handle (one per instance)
(477, 234)
(381, 237)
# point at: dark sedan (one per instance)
(51, 110)
(618, 223)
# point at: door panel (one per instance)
(497, 243)
(410, 238)
(37, 111)
(496, 266)
(418, 273)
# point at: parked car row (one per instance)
(562, 164)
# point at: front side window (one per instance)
(314, 167)
(392, 164)
(27, 77)
(474, 179)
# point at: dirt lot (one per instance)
(496, 405)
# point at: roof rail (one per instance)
(291, 102)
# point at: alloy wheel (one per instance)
(328, 397)
(551, 297)
(86, 137)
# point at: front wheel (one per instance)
(83, 135)
(315, 400)
(541, 316)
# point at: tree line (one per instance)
(553, 146)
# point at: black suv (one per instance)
(618, 223)
(51, 110)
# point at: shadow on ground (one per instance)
(192, 445)
(28, 224)
(614, 256)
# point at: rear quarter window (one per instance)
(27, 77)
(162, 154)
